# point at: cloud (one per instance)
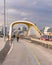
(37, 11)
(46, 2)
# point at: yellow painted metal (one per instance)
(28, 30)
(37, 30)
(29, 24)
(49, 33)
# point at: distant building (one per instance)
(24, 28)
(48, 31)
(1, 30)
(6, 30)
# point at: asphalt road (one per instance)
(26, 52)
(20, 55)
(43, 55)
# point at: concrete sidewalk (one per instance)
(2, 43)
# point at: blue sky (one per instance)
(36, 11)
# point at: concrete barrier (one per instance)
(46, 44)
(4, 49)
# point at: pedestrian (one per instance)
(17, 38)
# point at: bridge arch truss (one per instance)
(29, 25)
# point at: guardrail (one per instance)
(47, 44)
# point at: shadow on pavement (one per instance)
(4, 51)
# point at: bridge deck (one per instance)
(27, 52)
(19, 55)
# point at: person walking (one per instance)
(17, 38)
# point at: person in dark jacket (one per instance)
(17, 37)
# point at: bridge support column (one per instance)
(28, 30)
(10, 32)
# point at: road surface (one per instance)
(26, 52)
(20, 55)
(43, 55)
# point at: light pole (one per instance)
(4, 18)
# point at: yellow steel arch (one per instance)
(29, 24)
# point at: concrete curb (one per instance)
(4, 51)
(10, 49)
(46, 44)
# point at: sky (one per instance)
(38, 12)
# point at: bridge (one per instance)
(29, 25)
(26, 51)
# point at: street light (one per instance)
(4, 18)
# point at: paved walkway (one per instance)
(44, 55)
(25, 52)
(20, 55)
(2, 44)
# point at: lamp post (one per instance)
(4, 18)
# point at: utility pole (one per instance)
(4, 17)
